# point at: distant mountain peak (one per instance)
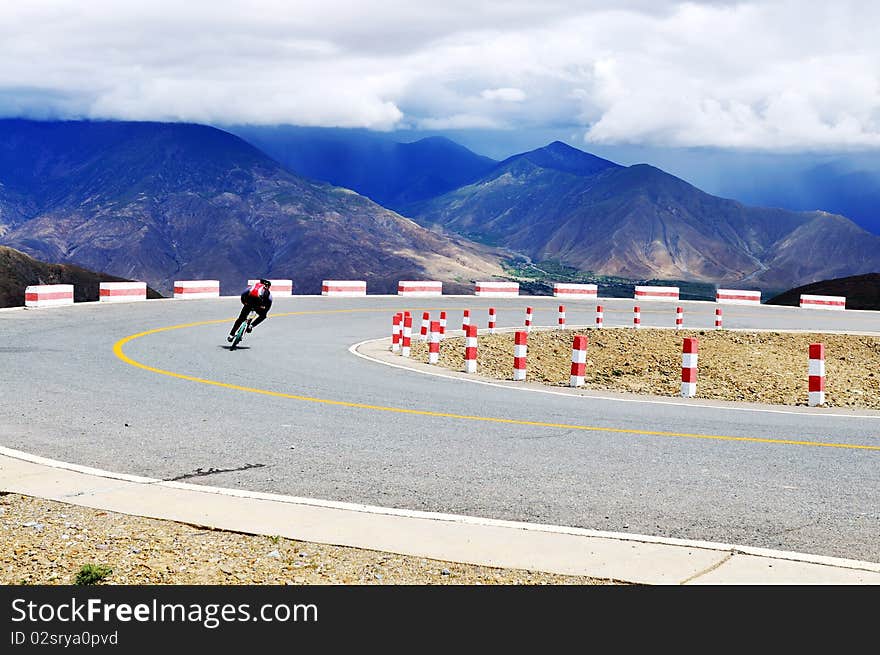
(563, 157)
(561, 146)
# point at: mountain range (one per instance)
(160, 202)
(390, 173)
(561, 204)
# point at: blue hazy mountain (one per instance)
(375, 165)
(560, 204)
(839, 186)
(559, 156)
(845, 183)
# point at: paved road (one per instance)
(68, 396)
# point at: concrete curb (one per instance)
(637, 559)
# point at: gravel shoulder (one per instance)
(46, 542)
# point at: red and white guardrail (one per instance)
(470, 349)
(423, 328)
(396, 325)
(278, 288)
(434, 344)
(406, 341)
(578, 361)
(737, 297)
(422, 289)
(48, 295)
(122, 291)
(690, 348)
(497, 289)
(194, 289)
(655, 293)
(822, 302)
(343, 288)
(520, 352)
(576, 291)
(816, 390)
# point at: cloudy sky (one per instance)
(769, 75)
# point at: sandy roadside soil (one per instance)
(46, 542)
(757, 367)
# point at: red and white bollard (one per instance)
(395, 332)
(578, 361)
(423, 331)
(406, 344)
(637, 316)
(465, 319)
(491, 320)
(690, 348)
(470, 349)
(528, 322)
(600, 316)
(817, 374)
(442, 325)
(520, 351)
(718, 318)
(679, 318)
(561, 315)
(434, 343)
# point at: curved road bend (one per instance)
(330, 426)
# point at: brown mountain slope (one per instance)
(18, 271)
(861, 291)
(825, 247)
(164, 202)
(640, 222)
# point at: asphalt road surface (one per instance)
(292, 411)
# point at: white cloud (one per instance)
(505, 94)
(457, 122)
(771, 74)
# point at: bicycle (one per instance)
(239, 333)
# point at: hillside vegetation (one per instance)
(861, 291)
(18, 271)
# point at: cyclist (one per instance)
(256, 297)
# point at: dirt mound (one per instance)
(761, 367)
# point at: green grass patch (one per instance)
(90, 574)
(537, 278)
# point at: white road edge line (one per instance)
(353, 350)
(452, 518)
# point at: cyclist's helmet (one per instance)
(266, 283)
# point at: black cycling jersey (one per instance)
(258, 304)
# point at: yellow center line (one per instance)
(119, 352)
